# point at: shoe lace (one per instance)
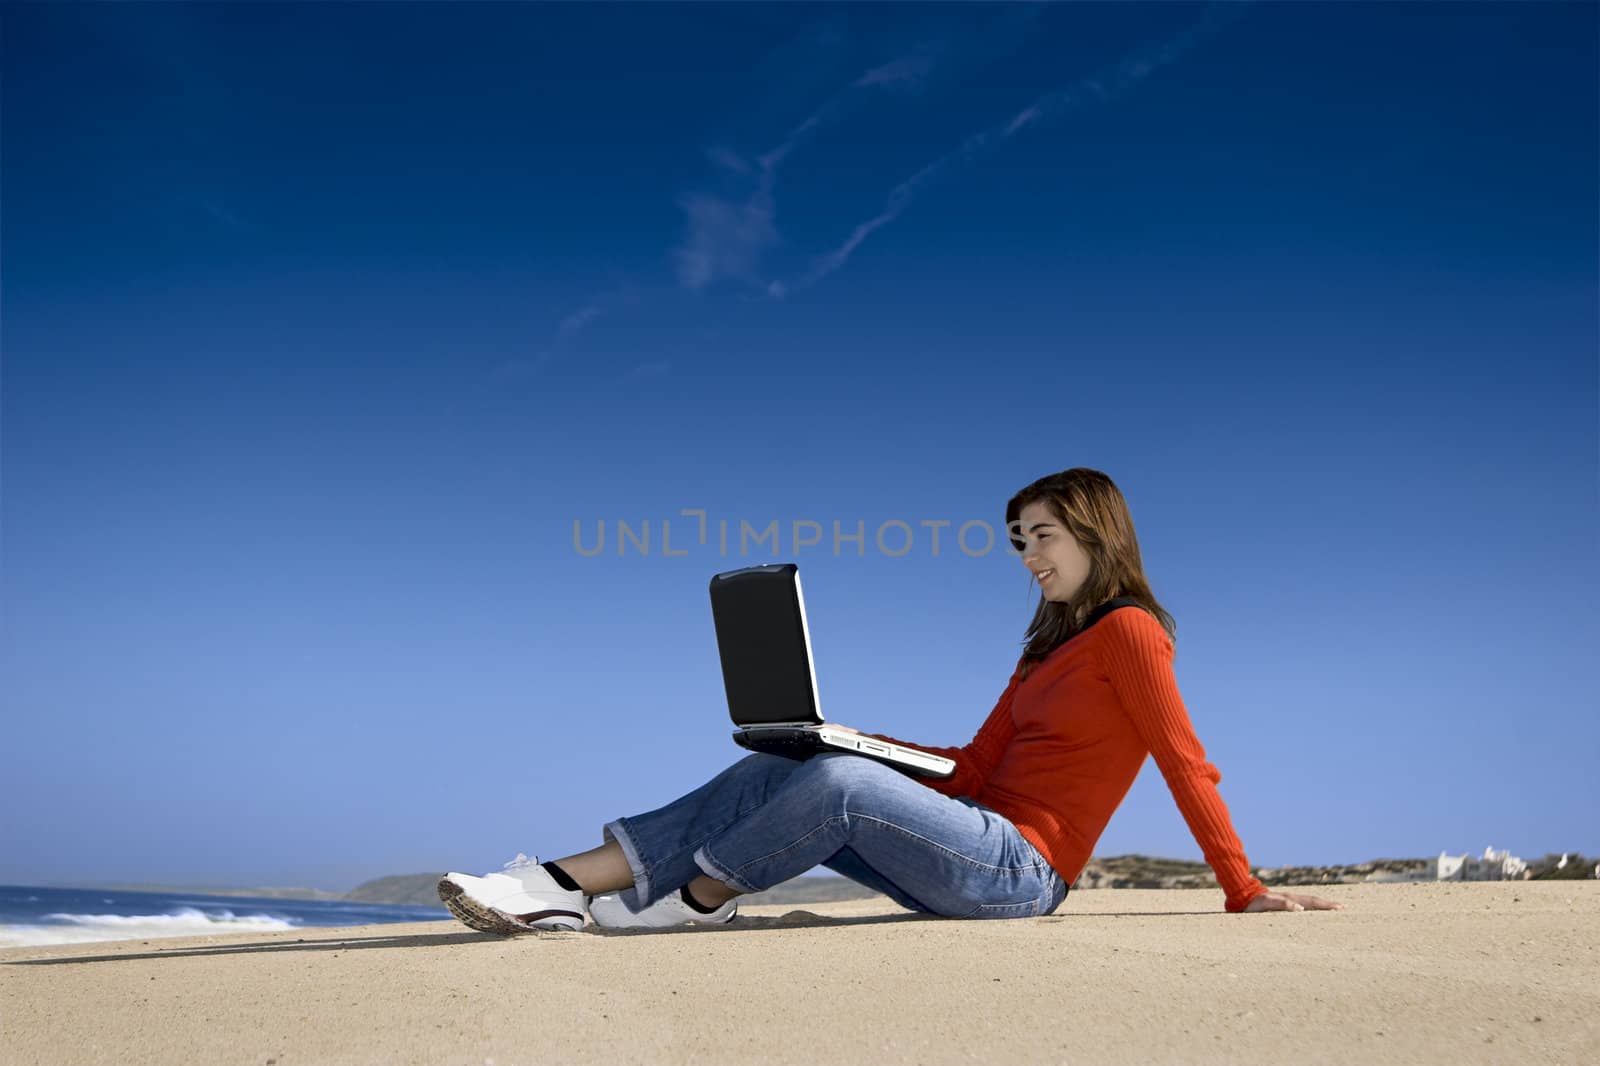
(521, 862)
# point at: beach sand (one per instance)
(1500, 972)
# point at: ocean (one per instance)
(31, 916)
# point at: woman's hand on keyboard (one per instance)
(844, 728)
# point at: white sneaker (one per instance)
(519, 899)
(611, 913)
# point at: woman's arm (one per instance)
(974, 761)
(1136, 655)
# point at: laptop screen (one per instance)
(765, 647)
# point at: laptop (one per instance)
(771, 682)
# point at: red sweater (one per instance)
(1062, 748)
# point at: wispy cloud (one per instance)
(576, 321)
(526, 366)
(728, 159)
(1104, 86)
(1027, 115)
(906, 72)
(727, 237)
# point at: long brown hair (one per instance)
(1091, 508)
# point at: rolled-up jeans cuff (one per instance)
(631, 897)
(718, 872)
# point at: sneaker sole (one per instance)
(486, 919)
(707, 920)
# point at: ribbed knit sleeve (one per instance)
(974, 761)
(1136, 655)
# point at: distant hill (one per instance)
(1568, 867)
(1144, 871)
(1117, 871)
(413, 889)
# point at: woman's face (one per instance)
(1050, 553)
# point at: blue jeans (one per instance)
(768, 818)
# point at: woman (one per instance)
(1003, 837)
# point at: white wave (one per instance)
(88, 928)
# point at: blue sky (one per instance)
(324, 325)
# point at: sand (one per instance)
(1407, 973)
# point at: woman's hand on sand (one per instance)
(1291, 901)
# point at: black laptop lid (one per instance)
(764, 646)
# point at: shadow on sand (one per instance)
(797, 919)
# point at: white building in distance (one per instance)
(1493, 866)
